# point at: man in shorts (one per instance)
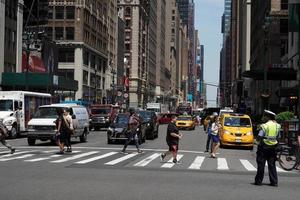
(173, 137)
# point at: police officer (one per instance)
(266, 150)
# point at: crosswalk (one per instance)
(149, 159)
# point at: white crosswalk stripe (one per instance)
(147, 160)
(96, 158)
(45, 158)
(222, 164)
(116, 161)
(18, 157)
(197, 162)
(75, 157)
(248, 166)
(170, 163)
(16, 153)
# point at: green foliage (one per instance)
(281, 117)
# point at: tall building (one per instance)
(186, 10)
(152, 44)
(135, 14)
(11, 20)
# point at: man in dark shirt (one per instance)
(173, 137)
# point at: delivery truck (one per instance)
(18, 107)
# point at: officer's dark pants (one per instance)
(208, 142)
(266, 154)
(132, 136)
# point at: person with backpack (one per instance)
(3, 135)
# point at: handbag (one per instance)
(70, 130)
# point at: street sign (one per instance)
(119, 93)
(126, 95)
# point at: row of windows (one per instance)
(94, 79)
(95, 61)
(61, 12)
(61, 33)
(95, 41)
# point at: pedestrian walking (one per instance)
(70, 129)
(266, 149)
(133, 128)
(209, 135)
(172, 139)
(61, 130)
(3, 135)
(215, 127)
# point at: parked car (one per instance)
(186, 122)
(42, 125)
(236, 130)
(117, 131)
(150, 120)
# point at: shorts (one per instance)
(215, 138)
(173, 147)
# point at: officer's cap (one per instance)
(269, 112)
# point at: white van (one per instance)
(42, 124)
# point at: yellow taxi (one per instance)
(236, 130)
(185, 122)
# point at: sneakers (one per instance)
(175, 161)
(12, 151)
(140, 151)
(162, 157)
(69, 150)
(123, 152)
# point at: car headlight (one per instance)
(110, 129)
(148, 124)
(107, 119)
(226, 132)
(249, 133)
(8, 122)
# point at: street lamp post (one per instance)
(113, 71)
(126, 84)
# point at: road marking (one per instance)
(75, 157)
(247, 165)
(222, 164)
(147, 160)
(96, 158)
(170, 163)
(116, 161)
(18, 157)
(278, 169)
(16, 153)
(197, 162)
(45, 158)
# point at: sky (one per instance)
(208, 14)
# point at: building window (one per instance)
(127, 23)
(66, 55)
(70, 12)
(85, 57)
(284, 4)
(70, 33)
(173, 18)
(127, 12)
(127, 47)
(59, 13)
(92, 61)
(50, 13)
(85, 77)
(59, 33)
(49, 32)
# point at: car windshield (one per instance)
(98, 111)
(6, 105)
(146, 116)
(122, 120)
(184, 118)
(237, 122)
(46, 112)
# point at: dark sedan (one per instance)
(149, 119)
(117, 131)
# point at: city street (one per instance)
(95, 170)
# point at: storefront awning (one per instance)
(272, 74)
(38, 81)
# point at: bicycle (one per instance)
(288, 156)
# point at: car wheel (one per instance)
(13, 133)
(31, 141)
(83, 137)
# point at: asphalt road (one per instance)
(96, 170)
